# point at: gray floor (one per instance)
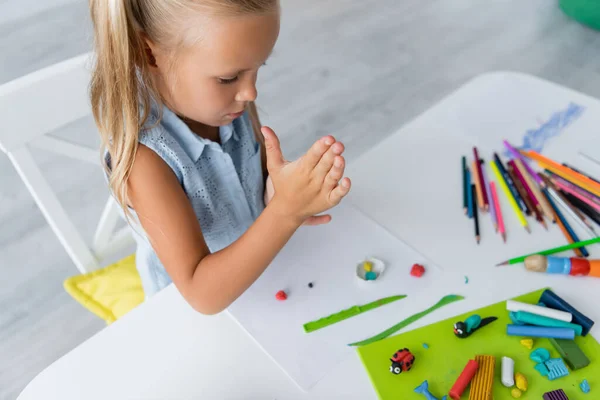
(356, 68)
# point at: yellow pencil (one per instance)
(507, 193)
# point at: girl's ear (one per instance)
(149, 51)
(150, 57)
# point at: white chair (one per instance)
(40, 103)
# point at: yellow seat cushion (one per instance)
(109, 292)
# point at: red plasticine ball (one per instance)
(417, 270)
(281, 295)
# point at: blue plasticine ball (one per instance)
(370, 276)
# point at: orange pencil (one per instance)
(567, 173)
(478, 188)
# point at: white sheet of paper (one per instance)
(327, 256)
(431, 149)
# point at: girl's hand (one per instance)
(314, 220)
(308, 186)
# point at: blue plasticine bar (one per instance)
(540, 331)
(552, 300)
(524, 317)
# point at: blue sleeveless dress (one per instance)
(224, 183)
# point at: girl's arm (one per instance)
(211, 282)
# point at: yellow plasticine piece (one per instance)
(516, 393)
(527, 343)
(521, 381)
(481, 386)
(368, 266)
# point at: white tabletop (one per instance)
(410, 184)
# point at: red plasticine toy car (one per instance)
(402, 360)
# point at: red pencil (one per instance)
(486, 203)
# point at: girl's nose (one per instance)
(247, 94)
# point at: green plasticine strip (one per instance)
(348, 313)
(451, 298)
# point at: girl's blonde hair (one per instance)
(121, 88)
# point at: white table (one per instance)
(163, 349)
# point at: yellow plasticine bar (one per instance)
(481, 386)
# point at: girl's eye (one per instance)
(226, 81)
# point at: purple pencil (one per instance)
(486, 183)
(519, 156)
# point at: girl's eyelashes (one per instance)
(226, 81)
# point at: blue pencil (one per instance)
(469, 195)
(562, 219)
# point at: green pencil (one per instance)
(551, 251)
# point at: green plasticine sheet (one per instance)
(447, 355)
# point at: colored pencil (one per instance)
(583, 207)
(469, 196)
(580, 172)
(511, 199)
(520, 173)
(464, 179)
(572, 189)
(566, 173)
(557, 200)
(486, 201)
(509, 182)
(518, 156)
(544, 207)
(478, 187)
(496, 202)
(529, 207)
(489, 195)
(548, 252)
(475, 216)
(566, 201)
(565, 227)
(527, 194)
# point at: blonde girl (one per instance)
(173, 91)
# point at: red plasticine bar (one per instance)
(464, 379)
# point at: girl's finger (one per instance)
(340, 191)
(335, 173)
(326, 162)
(314, 154)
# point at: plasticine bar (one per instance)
(481, 387)
(463, 380)
(540, 331)
(556, 395)
(571, 353)
(552, 300)
(523, 317)
(508, 372)
(512, 305)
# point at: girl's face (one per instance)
(212, 81)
